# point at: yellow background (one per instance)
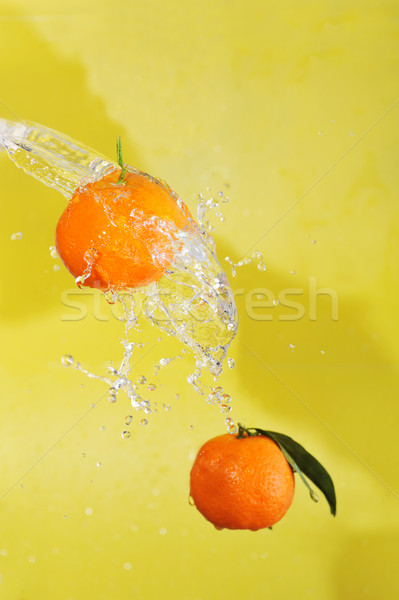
(287, 103)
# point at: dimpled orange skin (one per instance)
(242, 483)
(121, 222)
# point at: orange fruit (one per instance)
(121, 235)
(242, 483)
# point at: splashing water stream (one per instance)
(192, 301)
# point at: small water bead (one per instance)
(102, 428)
(141, 380)
(292, 272)
(112, 395)
(292, 347)
(224, 408)
(53, 252)
(191, 501)
(228, 421)
(67, 360)
(151, 387)
(314, 496)
(261, 266)
(257, 255)
(128, 419)
(167, 407)
(314, 242)
(144, 422)
(177, 396)
(231, 363)
(275, 302)
(17, 235)
(226, 398)
(99, 464)
(213, 398)
(232, 429)
(322, 351)
(231, 326)
(125, 435)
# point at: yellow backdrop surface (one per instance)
(289, 108)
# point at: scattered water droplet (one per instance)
(261, 266)
(191, 501)
(226, 398)
(151, 387)
(144, 422)
(231, 363)
(17, 235)
(313, 241)
(292, 347)
(112, 395)
(177, 396)
(141, 380)
(167, 407)
(99, 464)
(128, 419)
(127, 566)
(163, 531)
(275, 302)
(293, 272)
(53, 252)
(126, 435)
(89, 511)
(224, 408)
(232, 429)
(322, 351)
(67, 360)
(314, 496)
(56, 267)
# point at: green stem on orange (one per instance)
(120, 160)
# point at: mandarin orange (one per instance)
(241, 483)
(118, 235)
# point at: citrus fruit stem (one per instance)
(120, 160)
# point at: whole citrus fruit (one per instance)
(121, 234)
(242, 483)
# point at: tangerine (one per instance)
(121, 234)
(242, 482)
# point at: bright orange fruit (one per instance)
(121, 235)
(242, 483)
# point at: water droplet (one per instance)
(232, 429)
(67, 360)
(292, 347)
(261, 266)
(293, 272)
(212, 398)
(56, 267)
(164, 361)
(89, 511)
(231, 326)
(226, 398)
(313, 241)
(127, 566)
(177, 396)
(322, 351)
(231, 363)
(191, 427)
(167, 407)
(112, 395)
(84, 454)
(151, 387)
(144, 422)
(53, 252)
(17, 235)
(163, 531)
(228, 420)
(99, 464)
(128, 419)
(191, 501)
(126, 435)
(314, 496)
(257, 255)
(275, 302)
(141, 380)
(224, 408)
(102, 428)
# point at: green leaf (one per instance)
(305, 464)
